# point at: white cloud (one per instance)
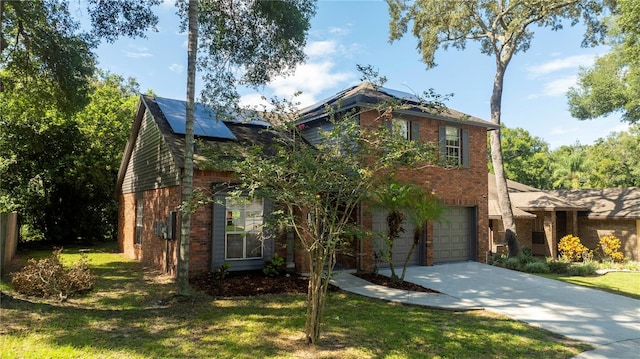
(321, 48)
(176, 68)
(571, 62)
(138, 52)
(557, 87)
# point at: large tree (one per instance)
(58, 171)
(526, 158)
(503, 28)
(613, 83)
(320, 189)
(234, 42)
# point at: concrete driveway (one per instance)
(608, 321)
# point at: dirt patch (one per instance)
(252, 283)
(387, 282)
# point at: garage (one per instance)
(452, 237)
(402, 245)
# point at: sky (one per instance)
(344, 34)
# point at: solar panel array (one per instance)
(205, 122)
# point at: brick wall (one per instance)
(465, 187)
(590, 231)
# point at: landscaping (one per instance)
(602, 268)
(133, 312)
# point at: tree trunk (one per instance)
(504, 199)
(187, 177)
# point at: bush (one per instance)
(273, 267)
(513, 263)
(582, 269)
(536, 267)
(48, 277)
(557, 267)
(572, 249)
(609, 248)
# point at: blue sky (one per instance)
(346, 33)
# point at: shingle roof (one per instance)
(614, 203)
(367, 95)
(525, 199)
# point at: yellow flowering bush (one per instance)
(610, 248)
(572, 249)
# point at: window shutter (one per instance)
(442, 143)
(465, 149)
(415, 130)
(387, 124)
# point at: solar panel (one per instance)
(205, 122)
(400, 94)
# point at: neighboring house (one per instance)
(611, 211)
(544, 217)
(150, 178)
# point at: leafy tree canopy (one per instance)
(612, 85)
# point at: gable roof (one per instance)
(244, 130)
(366, 95)
(525, 199)
(612, 203)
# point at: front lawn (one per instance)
(133, 313)
(622, 283)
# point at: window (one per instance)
(454, 146)
(409, 130)
(401, 127)
(139, 211)
(452, 143)
(243, 230)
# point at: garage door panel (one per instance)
(452, 237)
(402, 245)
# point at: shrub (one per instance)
(513, 263)
(557, 267)
(273, 267)
(582, 269)
(609, 248)
(47, 277)
(536, 267)
(222, 271)
(572, 249)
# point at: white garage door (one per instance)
(452, 236)
(401, 246)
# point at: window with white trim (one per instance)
(453, 146)
(243, 229)
(139, 215)
(401, 127)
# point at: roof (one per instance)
(244, 131)
(612, 203)
(525, 199)
(368, 96)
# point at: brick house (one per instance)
(544, 217)
(149, 183)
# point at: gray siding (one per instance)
(152, 165)
(312, 134)
(218, 233)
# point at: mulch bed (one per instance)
(250, 283)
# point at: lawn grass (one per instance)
(622, 283)
(134, 313)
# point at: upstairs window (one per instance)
(454, 146)
(243, 230)
(409, 130)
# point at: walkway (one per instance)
(608, 321)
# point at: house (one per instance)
(149, 186)
(544, 217)
(611, 211)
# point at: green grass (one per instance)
(622, 283)
(134, 313)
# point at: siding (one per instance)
(152, 165)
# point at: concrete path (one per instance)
(608, 321)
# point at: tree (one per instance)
(613, 83)
(404, 202)
(613, 161)
(58, 172)
(320, 189)
(526, 158)
(503, 28)
(569, 167)
(234, 42)
(43, 53)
